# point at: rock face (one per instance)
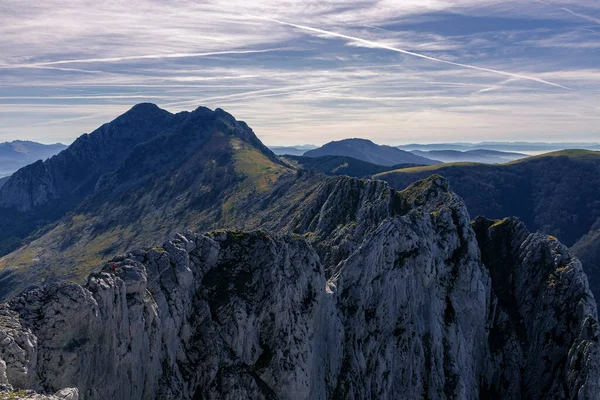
(543, 321)
(414, 310)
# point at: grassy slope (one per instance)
(207, 197)
(340, 165)
(554, 192)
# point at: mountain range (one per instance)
(292, 150)
(19, 153)
(368, 151)
(479, 155)
(518, 147)
(174, 256)
(554, 193)
(365, 150)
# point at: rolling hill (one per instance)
(340, 165)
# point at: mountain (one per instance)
(437, 146)
(522, 147)
(195, 170)
(19, 153)
(554, 193)
(291, 150)
(44, 191)
(287, 150)
(340, 165)
(3, 180)
(368, 151)
(479, 155)
(305, 286)
(425, 305)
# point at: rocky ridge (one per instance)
(421, 304)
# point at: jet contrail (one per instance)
(565, 9)
(143, 57)
(596, 20)
(410, 53)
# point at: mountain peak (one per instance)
(144, 108)
(366, 150)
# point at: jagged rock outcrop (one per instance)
(543, 320)
(227, 313)
(411, 312)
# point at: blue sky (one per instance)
(308, 71)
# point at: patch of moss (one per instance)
(15, 395)
(498, 222)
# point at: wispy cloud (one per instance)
(568, 10)
(469, 68)
(410, 53)
(130, 58)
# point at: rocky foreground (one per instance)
(426, 305)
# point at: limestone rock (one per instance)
(420, 305)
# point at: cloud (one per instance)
(410, 53)
(568, 10)
(67, 68)
(140, 57)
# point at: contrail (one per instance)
(565, 9)
(596, 20)
(410, 53)
(142, 57)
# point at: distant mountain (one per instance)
(436, 146)
(522, 147)
(296, 150)
(479, 155)
(555, 193)
(288, 150)
(19, 153)
(537, 146)
(3, 180)
(341, 165)
(368, 151)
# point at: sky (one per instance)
(298, 72)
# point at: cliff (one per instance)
(423, 305)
